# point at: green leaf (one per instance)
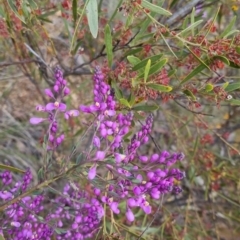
(233, 65)
(189, 94)
(133, 51)
(146, 71)
(232, 87)
(14, 9)
(145, 108)
(133, 60)
(223, 59)
(118, 92)
(159, 87)
(32, 4)
(228, 28)
(197, 70)
(92, 16)
(193, 20)
(156, 67)
(125, 102)
(108, 43)
(135, 82)
(74, 10)
(11, 169)
(225, 85)
(237, 50)
(143, 63)
(235, 102)
(155, 8)
(172, 72)
(209, 87)
(144, 26)
(191, 27)
(131, 99)
(232, 32)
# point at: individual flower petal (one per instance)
(16, 224)
(147, 209)
(132, 202)
(62, 107)
(56, 105)
(36, 120)
(49, 93)
(92, 172)
(50, 106)
(71, 113)
(130, 215)
(114, 207)
(5, 195)
(96, 141)
(119, 157)
(100, 155)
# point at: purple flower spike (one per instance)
(36, 120)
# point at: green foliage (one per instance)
(92, 15)
(150, 54)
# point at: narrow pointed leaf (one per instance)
(133, 60)
(11, 169)
(228, 27)
(159, 87)
(14, 9)
(74, 10)
(233, 65)
(155, 8)
(192, 26)
(108, 43)
(143, 63)
(125, 102)
(193, 20)
(189, 94)
(118, 92)
(156, 67)
(235, 102)
(131, 99)
(146, 71)
(195, 71)
(223, 59)
(232, 87)
(92, 16)
(145, 108)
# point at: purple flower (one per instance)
(100, 155)
(55, 106)
(92, 172)
(130, 215)
(36, 120)
(71, 113)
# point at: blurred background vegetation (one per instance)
(36, 36)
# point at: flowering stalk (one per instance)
(27, 219)
(56, 94)
(135, 178)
